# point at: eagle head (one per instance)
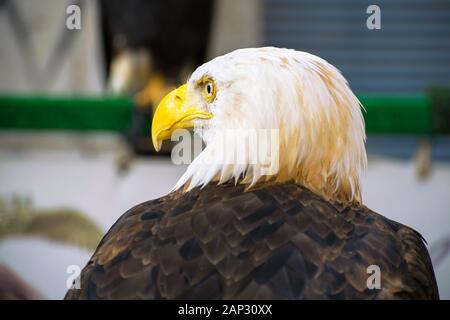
(317, 120)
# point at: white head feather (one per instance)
(321, 127)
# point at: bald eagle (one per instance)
(229, 230)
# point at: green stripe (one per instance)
(69, 113)
(384, 114)
(397, 114)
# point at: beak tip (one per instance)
(157, 144)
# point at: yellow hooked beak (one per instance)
(174, 112)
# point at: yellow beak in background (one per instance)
(174, 112)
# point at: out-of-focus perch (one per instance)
(61, 225)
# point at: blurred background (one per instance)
(78, 88)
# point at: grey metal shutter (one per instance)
(410, 53)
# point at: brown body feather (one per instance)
(277, 242)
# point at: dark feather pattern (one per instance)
(276, 242)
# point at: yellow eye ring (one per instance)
(209, 90)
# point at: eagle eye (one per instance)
(209, 90)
